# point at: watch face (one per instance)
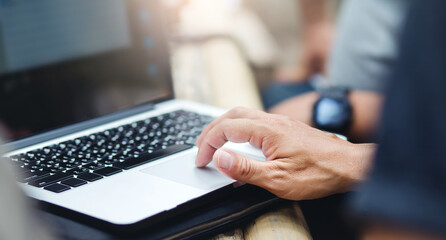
(330, 113)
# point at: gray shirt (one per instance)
(366, 44)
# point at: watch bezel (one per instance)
(339, 95)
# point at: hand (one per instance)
(302, 162)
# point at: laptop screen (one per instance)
(66, 61)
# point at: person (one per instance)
(364, 51)
(403, 198)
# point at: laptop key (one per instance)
(31, 175)
(74, 182)
(57, 188)
(107, 171)
(77, 171)
(91, 177)
(107, 152)
(50, 179)
(93, 165)
(149, 157)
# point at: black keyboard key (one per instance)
(107, 161)
(123, 147)
(93, 165)
(56, 169)
(91, 177)
(74, 182)
(70, 165)
(31, 175)
(149, 157)
(77, 171)
(107, 171)
(42, 182)
(57, 188)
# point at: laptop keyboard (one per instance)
(73, 163)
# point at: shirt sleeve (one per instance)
(365, 48)
(407, 185)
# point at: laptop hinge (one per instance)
(77, 127)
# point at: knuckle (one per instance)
(247, 170)
(282, 122)
(224, 124)
(266, 126)
(332, 135)
(215, 137)
(237, 111)
(271, 148)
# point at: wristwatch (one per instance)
(333, 111)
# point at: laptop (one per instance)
(88, 110)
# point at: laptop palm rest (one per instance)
(183, 170)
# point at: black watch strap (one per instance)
(338, 93)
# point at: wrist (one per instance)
(347, 163)
(358, 162)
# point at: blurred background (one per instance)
(235, 47)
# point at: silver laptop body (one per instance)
(73, 69)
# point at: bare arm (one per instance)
(366, 111)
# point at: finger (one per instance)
(242, 168)
(238, 112)
(234, 130)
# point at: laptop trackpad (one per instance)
(183, 170)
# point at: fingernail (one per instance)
(224, 159)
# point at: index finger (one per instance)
(234, 130)
(238, 112)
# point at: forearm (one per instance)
(366, 111)
(299, 108)
(348, 161)
(366, 107)
(360, 158)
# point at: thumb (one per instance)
(240, 167)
